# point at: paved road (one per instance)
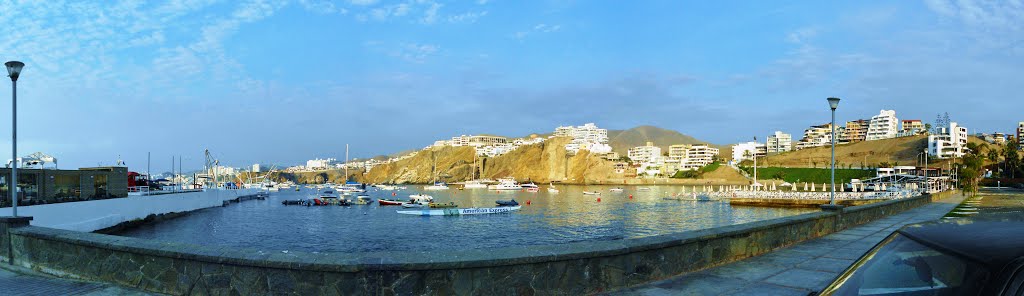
(16, 281)
(794, 270)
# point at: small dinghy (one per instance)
(412, 205)
(616, 189)
(506, 203)
(389, 202)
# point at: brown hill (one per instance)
(622, 140)
(897, 151)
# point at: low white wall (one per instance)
(98, 214)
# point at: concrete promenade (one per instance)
(797, 269)
(20, 281)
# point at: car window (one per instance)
(901, 266)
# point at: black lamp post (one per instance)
(13, 71)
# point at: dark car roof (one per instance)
(993, 240)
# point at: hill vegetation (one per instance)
(865, 154)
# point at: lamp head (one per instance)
(14, 69)
(833, 102)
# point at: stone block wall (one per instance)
(567, 269)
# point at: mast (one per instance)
(346, 164)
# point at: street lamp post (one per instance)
(13, 71)
(833, 103)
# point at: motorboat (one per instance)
(506, 184)
(421, 198)
(412, 205)
(436, 186)
(363, 200)
(389, 202)
(616, 189)
(506, 203)
(529, 185)
(591, 193)
(644, 189)
(386, 187)
(532, 189)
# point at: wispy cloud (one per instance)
(466, 18)
(538, 28)
(363, 2)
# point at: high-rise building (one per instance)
(883, 126)
(948, 142)
(779, 142)
(691, 156)
(855, 131)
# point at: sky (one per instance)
(285, 81)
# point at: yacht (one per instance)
(422, 199)
(475, 184)
(529, 185)
(506, 184)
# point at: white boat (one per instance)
(591, 193)
(460, 212)
(471, 184)
(552, 189)
(644, 189)
(412, 205)
(436, 186)
(616, 189)
(386, 187)
(506, 184)
(530, 185)
(421, 198)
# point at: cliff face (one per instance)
(541, 163)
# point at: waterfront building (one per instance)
(37, 186)
(746, 151)
(779, 142)
(587, 136)
(645, 154)
(816, 136)
(855, 131)
(948, 142)
(319, 164)
(882, 126)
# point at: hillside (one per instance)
(898, 151)
(622, 140)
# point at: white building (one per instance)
(587, 136)
(256, 168)
(319, 164)
(883, 126)
(688, 157)
(648, 154)
(816, 136)
(746, 151)
(779, 142)
(1020, 130)
(949, 142)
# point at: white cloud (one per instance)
(430, 15)
(363, 2)
(466, 18)
(538, 28)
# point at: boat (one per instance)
(591, 193)
(473, 184)
(532, 189)
(460, 212)
(616, 189)
(386, 187)
(363, 200)
(644, 189)
(446, 205)
(506, 203)
(436, 186)
(293, 202)
(529, 185)
(421, 198)
(412, 205)
(389, 202)
(506, 184)
(552, 189)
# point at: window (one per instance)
(67, 186)
(100, 185)
(901, 266)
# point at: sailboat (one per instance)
(349, 187)
(437, 185)
(475, 183)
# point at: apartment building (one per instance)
(948, 142)
(688, 157)
(779, 142)
(911, 127)
(883, 126)
(815, 136)
(645, 154)
(1020, 130)
(855, 131)
(587, 136)
(746, 151)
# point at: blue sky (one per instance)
(284, 81)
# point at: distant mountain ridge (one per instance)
(622, 140)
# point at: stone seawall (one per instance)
(795, 203)
(567, 269)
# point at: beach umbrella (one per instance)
(805, 186)
(812, 187)
(883, 186)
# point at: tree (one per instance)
(1011, 159)
(928, 128)
(971, 166)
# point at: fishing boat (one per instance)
(616, 189)
(446, 205)
(591, 193)
(506, 203)
(389, 202)
(506, 184)
(460, 212)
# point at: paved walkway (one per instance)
(797, 269)
(18, 281)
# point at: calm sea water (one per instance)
(568, 216)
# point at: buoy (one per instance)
(598, 199)
(630, 196)
(392, 194)
(527, 202)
